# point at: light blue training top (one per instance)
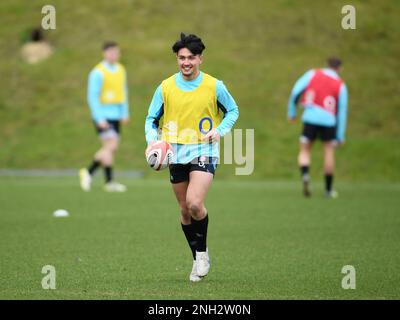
(185, 153)
(315, 115)
(101, 112)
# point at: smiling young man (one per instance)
(197, 111)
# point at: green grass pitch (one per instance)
(265, 240)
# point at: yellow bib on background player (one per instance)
(113, 89)
(189, 115)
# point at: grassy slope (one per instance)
(258, 48)
(121, 246)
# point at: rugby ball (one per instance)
(159, 155)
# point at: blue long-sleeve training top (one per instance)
(99, 111)
(315, 115)
(184, 153)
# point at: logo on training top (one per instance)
(172, 128)
(109, 95)
(322, 91)
(202, 161)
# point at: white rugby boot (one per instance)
(194, 277)
(332, 194)
(203, 263)
(85, 179)
(114, 187)
(306, 188)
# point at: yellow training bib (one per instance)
(189, 115)
(113, 89)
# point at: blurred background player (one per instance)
(108, 101)
(323, 94)
(37, 48)
(197, 110)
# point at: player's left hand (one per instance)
(125, 120)
(212, 136)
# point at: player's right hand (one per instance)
(292, 119)
(148, 146)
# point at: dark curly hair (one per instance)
(191, 42)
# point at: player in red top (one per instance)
(323, 95)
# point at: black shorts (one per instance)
(312, 131)
(180, 172)
(112, 131)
